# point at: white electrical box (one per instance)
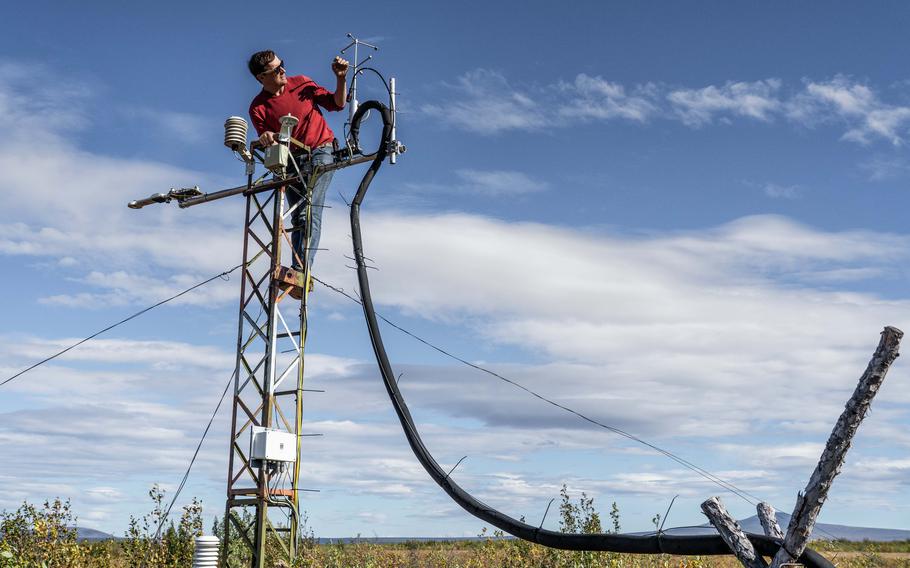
(276, 158)
(272, 445)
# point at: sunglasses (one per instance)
(279, 69)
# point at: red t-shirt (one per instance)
(300, 97)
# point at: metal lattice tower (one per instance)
(262, 514)
(262, 510)
(262, 518)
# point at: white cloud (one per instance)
(866, 116)
(884, 169)
(710, 313)
(883, 469)
(125, 289)
(697, 107)
(775, 190)
(44, 110)
(490, 183)
(487, 104)
(484, 102)
(499, 182)
(802, 456)
(596, 98)
(117, 351)
(782, 191)
(179, 127)
(77, 214)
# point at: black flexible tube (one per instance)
(652, 544)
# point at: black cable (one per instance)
(741, 493)
(110, 327)
(381, 78)
(686, 545)
(385, 84)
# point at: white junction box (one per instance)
(271, 445)
(276, 158)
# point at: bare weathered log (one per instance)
(732, 534)
(809, 502)
(768, 520)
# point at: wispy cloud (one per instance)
(484, 102)
(596, 98)
(694, 297)
(44, 111)
(776, 190)
(133, 257)
(499, 182)
(124, 288)
(867, 117)
(487, 104)
(698, 107)
(491, 183)
(173, 126)
(884, 169)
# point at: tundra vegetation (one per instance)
(45, 537)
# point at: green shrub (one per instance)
(46, 537)
(152, 542)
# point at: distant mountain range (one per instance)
(822, 531)
(83, 533)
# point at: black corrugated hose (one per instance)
(651, 544)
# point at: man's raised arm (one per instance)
(340, 69)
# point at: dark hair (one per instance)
(259, 60)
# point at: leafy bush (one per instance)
(46, 537)
(152, 542)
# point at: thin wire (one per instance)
(123, 321)
(186, 475)
(741, 493)
(745, 495)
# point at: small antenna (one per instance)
(352, 96)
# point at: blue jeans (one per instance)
(320, 156)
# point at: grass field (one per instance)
(515, 554)
(44, 537)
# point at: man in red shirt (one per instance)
(301, 97)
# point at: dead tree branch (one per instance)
(766, 515)
(809, 503)
(732, 534)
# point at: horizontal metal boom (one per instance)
(271, 184)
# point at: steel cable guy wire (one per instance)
(123, 321)
(654, 544)
(163, 518)
(719, 481)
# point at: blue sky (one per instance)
(687, 220)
